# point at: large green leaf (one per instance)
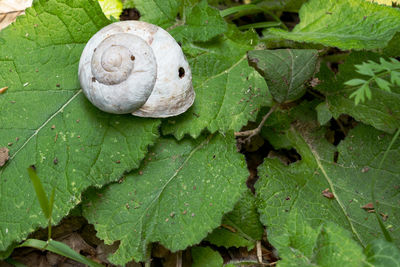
(197, 21)
(202, 23)
(324, 245)
(228, 91)
(298, 192)
(178, 196)
(160, 12)
(206, 257)
(50, 123)
(347, 24)
(241, 227)
(381, 253)
(285, 70)
(111, 8)
(382, 111)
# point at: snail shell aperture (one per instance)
(136, 67)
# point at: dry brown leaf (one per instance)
(11, 9)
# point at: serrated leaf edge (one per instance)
(157, 197)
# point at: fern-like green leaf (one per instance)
(395, 78)
(355, 82)
(365, 69)
(379, 73)
(383, 84)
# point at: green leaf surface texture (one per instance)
(206, 257)
(324, 114)
(111, 7)
(285, 70)
(176, 198)
(291, 200)
(241, 227)
(346, 24)
(229, 92)
(382, 112)
(202, 23)
(160, 12)
(198, 21)
(326, 245)
(49, 122)
(381, 253)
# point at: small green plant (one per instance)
(377, 73)
(47, 207)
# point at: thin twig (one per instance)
(251, 133)
(259, 252)
(179, 259)
(341, 127)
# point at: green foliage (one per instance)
(289, 195)
(202, 23)
(111, 8)
(324, 114)
(159, 12)
(383, 112)
(60, 249)
(178, 196)
(228, 91)
(325, 245)
(206, 257)
(45, 203)
(347, 24)
(381, 253)
(240, 227)
(49, 122)
(375, 71)
(47, 208)
(190, 186)
(219, 67)
(285, 71)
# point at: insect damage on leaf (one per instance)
(3, 156)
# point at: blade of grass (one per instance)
(265, 24)
(248, 9)
(235, 9)
(51, 202)
(40, 194)
(60, 249)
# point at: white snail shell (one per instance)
(136, 67)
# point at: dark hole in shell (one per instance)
(132, 58)
(181, 72)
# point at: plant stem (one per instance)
(179, 259)
(259, 252)
(259, 25)
(251, 133)
(49, 230)
(245, 9)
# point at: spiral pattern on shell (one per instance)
(136, 67)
